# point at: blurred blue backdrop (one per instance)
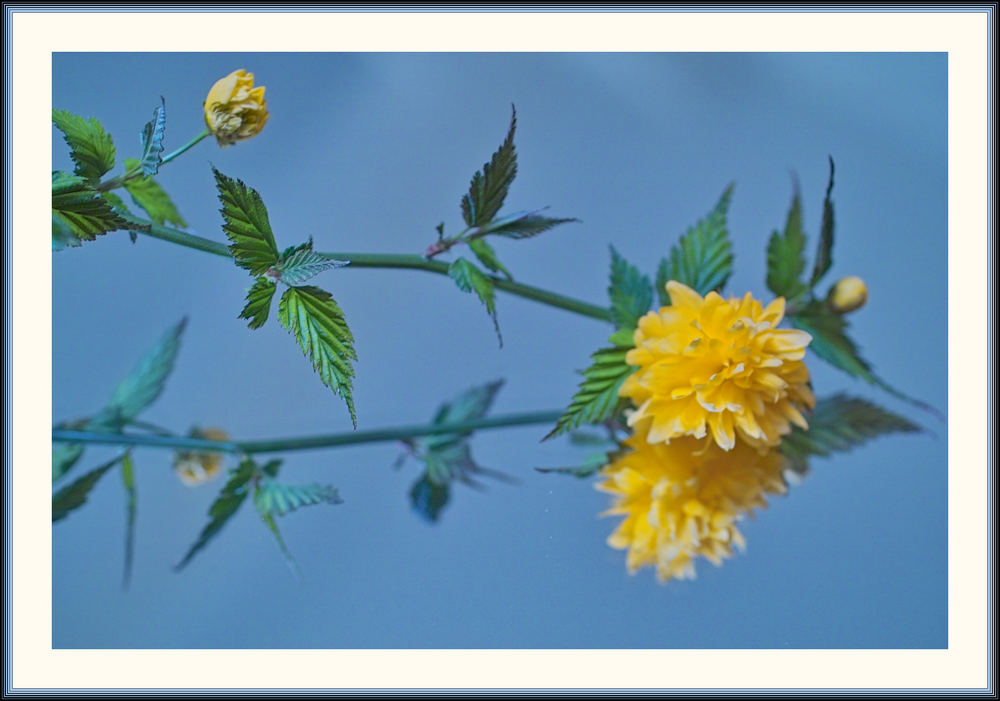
(367, 153)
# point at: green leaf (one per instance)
(489, 187)
(64, 456)
(79, 211)
(472, 404)
(223, 508)
(785, 258)
(272, 526)
(521, 225)
(630, 292)
(128, 480)
(74, 495)
(840, 423)
(824, 253)
(703, 258)
(597, 399)
(486, 255)
(148, 194)
(591, 465)
(246, 225)
(152, 142)
(301, 263)
(274, 498)
(469, 278)
(429, 499)
(145, 382)
(91, 147)
(311, 315)
(259, 302)
(118, 204)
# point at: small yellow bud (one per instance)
(848, 294)
(195, 468)
(234, 109)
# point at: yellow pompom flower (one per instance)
(234, 109)
(848, 294)
(195, 468)
(720, 365)
(683, 500)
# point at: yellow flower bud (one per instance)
(848, 294)
(195, 468)
(235, 109)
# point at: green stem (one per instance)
(284, 445)
(174, 154)
(386, 260)
(136, 172)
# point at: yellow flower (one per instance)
(682, 500)
(195, 468)
(848, 294)
(716, 364)
(235, 109)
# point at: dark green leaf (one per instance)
(592, 464)
(79, 211)
(630, 292)
(74, 495)
(246, 225)
(785, 257)
(258, 302)
(152, 142)
(223, 508)
(839, 423)
(429, 499)
(64, 456)
(489, 187)
(148, 194)
(521, 225)
(301, 263)
(279, 499)
(91, 147)
(472, 404)
(469, 278)
(703, 258)
(128, 480)
(488, 257)
(145, 382)
(313, 317)
(824, 253)
(597, 399)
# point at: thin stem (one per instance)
(284, 445)
(174, 154)
(386, 260)
(136, 171)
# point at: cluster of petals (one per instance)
(234, 109)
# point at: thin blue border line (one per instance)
(8, 632)
(535, 8)
(990, 351)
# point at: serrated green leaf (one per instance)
(489, 187)
(118, 204)
(597, 398)
(152, 141)
(840, 423)
(429, 499)
(274, 498)
(630, 292)
(153, 199)
(145, 382)
(79, 211)
(91, 148)
(824, 252)
(488, 257)
(311, 315)
(785, 255)
(469, 278)
(520, 225)
(301, 263)
(74, 495)
(258, 305)
(225, 506)
(128, 480)
(703, 258)
(64, 457)
(246, 225)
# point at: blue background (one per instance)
(367, 153)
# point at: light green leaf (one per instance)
(630, 292)
(785, 257)
(148, 194)
(152, 142)
(311, 315)
(520, 225)
(91, 147)
(469, 278)
(74, 495)
(274, 498)
(79, 211)
(258, 305)
(301, 263)
(64, 456)
(223, 508)
(246, 225)
(128, 480)
(703, 258)
(824, 252)
(145, 382)
(839, 423)
(488, 257)
(489, 187)
(597, 399)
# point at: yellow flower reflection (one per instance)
(195, 468)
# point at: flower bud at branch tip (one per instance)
(848, 294)
(234, 109)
